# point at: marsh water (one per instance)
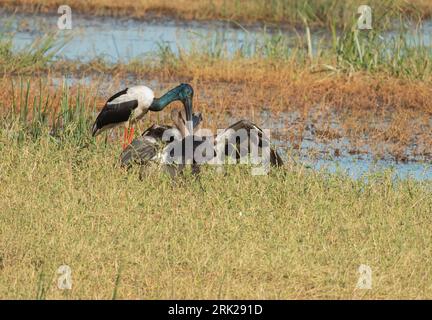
(121, 40)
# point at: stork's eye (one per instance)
(187, 91)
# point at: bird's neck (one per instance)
(159, 103)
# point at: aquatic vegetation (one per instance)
(36, 57)
(32, 109)
(401, 53)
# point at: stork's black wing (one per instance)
(114, 113)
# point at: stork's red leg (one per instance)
(125, 138)
(131, 135)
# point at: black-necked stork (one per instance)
(131, 104)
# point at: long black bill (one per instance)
(188, 109)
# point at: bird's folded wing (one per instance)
(116, 112)
(141, 150)
(229, 135)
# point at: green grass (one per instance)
(402, 55)
(36, 56)
(295, 233)
(32, 115)
(320, 13)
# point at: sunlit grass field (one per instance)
(292, 234)
(295, 233)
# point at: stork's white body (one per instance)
(124, 108)
(144, 95)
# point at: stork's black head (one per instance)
(185, 91)
(186, 96)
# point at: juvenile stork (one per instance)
(152, 148)
(131, 104)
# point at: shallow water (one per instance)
(321, 156)
(358, 168)
(119, 40)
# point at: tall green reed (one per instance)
(391, 47)
(37, 111)
(401, 52)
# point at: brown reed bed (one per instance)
(318, 13)
(384, 117)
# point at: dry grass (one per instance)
(293, 234)
(318, 12)
(278, 85)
